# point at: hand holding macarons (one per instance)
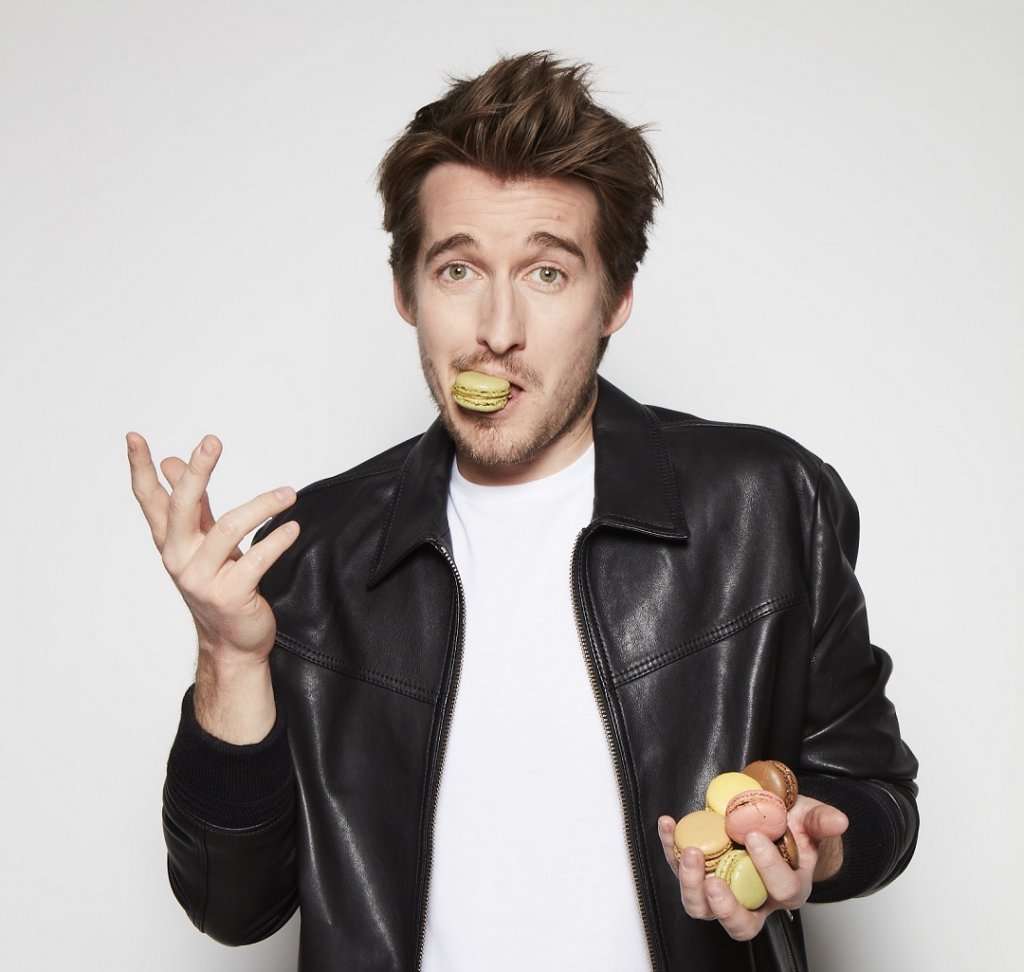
(755, 848)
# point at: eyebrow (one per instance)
(541, 239)
(463, 240)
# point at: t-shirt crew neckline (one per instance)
(578, 474)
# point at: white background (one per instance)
(189, 242)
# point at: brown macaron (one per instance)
(788, 849)
(775, 777)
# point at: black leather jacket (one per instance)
(720, 620)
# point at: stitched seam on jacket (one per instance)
(668, 483)
(379, 679)
(385, 533)
(741, 426)
(350, 478)
(710, 637)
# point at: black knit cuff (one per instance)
(872, 843)
(227, 786)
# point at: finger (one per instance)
(740, 923)
(151, 496)
(172, 467)
(260, 557)
(667, 834)
(693, 884)
(785, 886)
(824, 821)
(221, 543)
(185, 505)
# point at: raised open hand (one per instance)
(219, 583)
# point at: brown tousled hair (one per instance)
(529, 116)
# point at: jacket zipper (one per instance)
(446, 722)
(577, 609)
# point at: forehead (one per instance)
(461, 199)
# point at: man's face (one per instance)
(509, 282)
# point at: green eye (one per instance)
(457, 271)
(548, 275)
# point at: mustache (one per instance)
(510, 365)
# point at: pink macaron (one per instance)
(755, 810)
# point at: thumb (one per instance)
(825, 821)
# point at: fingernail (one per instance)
(208, 446)
(283, 493)
(290, 527)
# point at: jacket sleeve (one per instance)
(853, 757)
(229, 825)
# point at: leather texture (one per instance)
(720, 618)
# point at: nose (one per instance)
(501, 328)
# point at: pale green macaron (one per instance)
(479, 392)
(738, 871)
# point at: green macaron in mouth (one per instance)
(478, 392)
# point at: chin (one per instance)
(488, 443)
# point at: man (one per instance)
(394, 725)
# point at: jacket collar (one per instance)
(634, 484)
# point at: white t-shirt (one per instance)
(530, 866)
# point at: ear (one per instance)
(620, 314)
(407, 313)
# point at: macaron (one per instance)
(704, 830)
(753, 810)
(725, 786)
(478, 392)
(737, 870)
(776, 777)
(788, 849)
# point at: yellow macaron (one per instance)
(725, 786)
